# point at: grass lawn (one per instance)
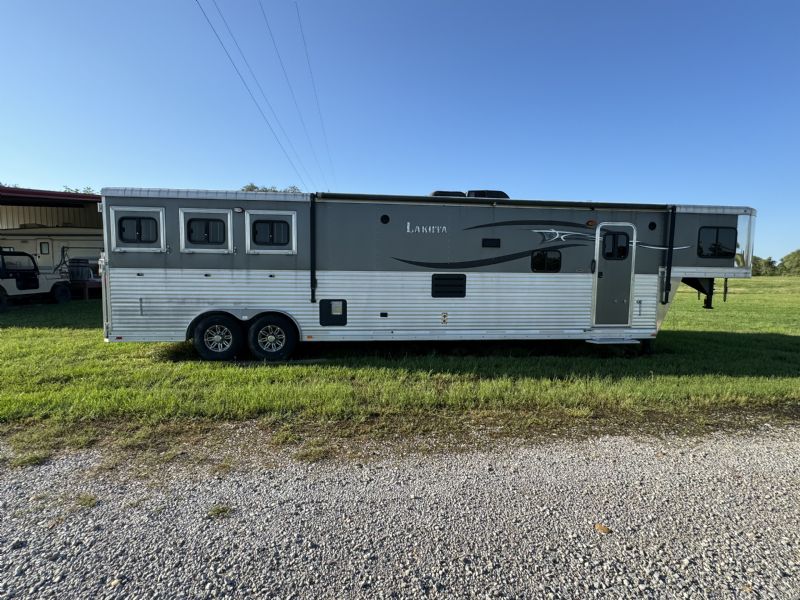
(62, 382)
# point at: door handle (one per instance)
(593, 265)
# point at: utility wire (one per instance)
(316, 96)
(264, 95)
(291, 90)
(250, 93)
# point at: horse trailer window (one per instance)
(615, 246)
(546, 261)
(271, 233)
(716, 242)
(205, 231)
(44, 247)
(138, 230)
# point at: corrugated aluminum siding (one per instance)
(159, 304)
(13, 217)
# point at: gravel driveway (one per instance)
(717, 516)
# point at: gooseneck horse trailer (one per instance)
(263, 271)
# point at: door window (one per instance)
(615, 245)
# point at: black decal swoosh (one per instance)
(484, 262)
(534, 222)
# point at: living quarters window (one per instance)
(615, 245)
(546, 261)
(716, 242)
(138, 230)
(205, 231)
(271, 233)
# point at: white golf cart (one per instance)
(20, 278)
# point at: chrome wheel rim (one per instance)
(271, 338)
(218, 338)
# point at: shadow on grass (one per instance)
(677, 353)
(34, 312)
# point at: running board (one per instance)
(607, 341)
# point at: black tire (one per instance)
(3, 301)
(272, 338)
(218, 337)
(647, 347)
(61, 294)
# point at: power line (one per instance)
(250, 93)
(316, 96)
(263, 94)
(291, 90)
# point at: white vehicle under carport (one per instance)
(20, 278)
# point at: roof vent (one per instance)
(486, 194)
(442, 193)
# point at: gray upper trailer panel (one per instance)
(225, 195)
(365, 232)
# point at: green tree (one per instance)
(8, 184)
(85, 190)
(252, 187)
(764, 266)
(790, 264)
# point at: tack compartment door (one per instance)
(615, 256)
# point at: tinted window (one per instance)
(19, 262)
(138, 230)
(716, 242)
(615, 246)
(205, 231)
(271, 233)
(44, 247)
(546, 261)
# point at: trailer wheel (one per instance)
(647, 347)
(61, 294)
(218, 337)
(272, 338)
(3, 301)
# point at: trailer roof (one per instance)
(549, 203)
(178, 194)
(332, 196)
(15, 196)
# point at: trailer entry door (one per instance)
(615, 256)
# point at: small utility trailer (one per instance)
(263, 271)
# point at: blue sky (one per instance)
(680, 101)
